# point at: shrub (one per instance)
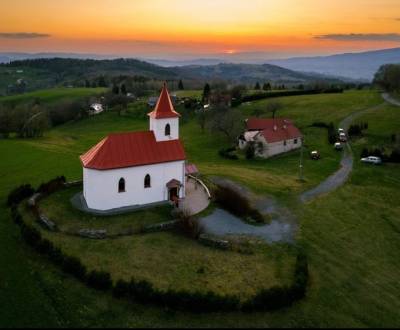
(228, 153)
(320, 124)
(31, 235)
(235, 203)
(332, 134)
(250, 150)
(188, 224)
(52, 186)
(73, 266)
(99, 280)
(121, 289)
(19, 194)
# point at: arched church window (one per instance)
(121, 185)
(168, 130)
(147, 181)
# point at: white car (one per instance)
(338, 146)
(342, 137)
(372, 160)
(341, 130)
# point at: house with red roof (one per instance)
(137, 168)
(270, 137)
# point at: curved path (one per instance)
(340, 177)
(390, 99)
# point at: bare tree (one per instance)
(273, 107)
(228, 121)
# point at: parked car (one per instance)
(372, 160)
(315, 155)
(338, 146)
(341, 130)
(342, 137)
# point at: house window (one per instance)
(284, 143)
(295, 141)
(121, 185)
(147, 181)
(167, 130)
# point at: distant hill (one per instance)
(249, 73)
(352, 65)
(56, 72)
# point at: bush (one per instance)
(52, 186)
(99, 280)
(235, 203)
(73, 266)
(332, 134)
(320, 124)
(19, 194)
(228, 153)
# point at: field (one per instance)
(50, 96)
(351, 235)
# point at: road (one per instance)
(340, 177)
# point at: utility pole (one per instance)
(301, 176)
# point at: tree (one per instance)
(180, 85)
(102, 82)
(257, 87)
(201, 117)
(250, 150)
(267, 87)
(206, 92)
(115, 89)
(273, 107)
(123, 89)
(388, 77)
(5, 121)
(228, 121)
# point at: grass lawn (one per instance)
(170, 260)
(68, 219)
(189, 93)
(351, 235)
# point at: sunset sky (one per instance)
(192, 28)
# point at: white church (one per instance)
(137, 168)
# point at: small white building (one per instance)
(270, 136)
(137, 168)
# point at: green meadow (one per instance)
(351, 235)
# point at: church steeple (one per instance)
(164, 120)
(164, 107)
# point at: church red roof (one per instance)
(274, 130)
(132, 149)
(164, 107)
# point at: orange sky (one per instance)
(162, 28)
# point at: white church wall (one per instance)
(101, 187)
(158, 127)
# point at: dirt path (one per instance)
(340, 177)
(282, 228)
(391, 100)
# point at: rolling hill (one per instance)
(351, 65)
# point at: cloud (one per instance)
(23, 35)
(361, 37)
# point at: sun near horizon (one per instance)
(160, 27)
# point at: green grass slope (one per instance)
(351, 235)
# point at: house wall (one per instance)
(100, 188)
(276, 148)
(158, 127)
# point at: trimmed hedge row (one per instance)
(144, 292)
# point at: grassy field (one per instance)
(351, 235)
(50, 96)
(68, 219)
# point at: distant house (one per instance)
(96, 108)
(270, 136)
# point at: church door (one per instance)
(173, 194)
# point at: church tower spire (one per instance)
(164, 120)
